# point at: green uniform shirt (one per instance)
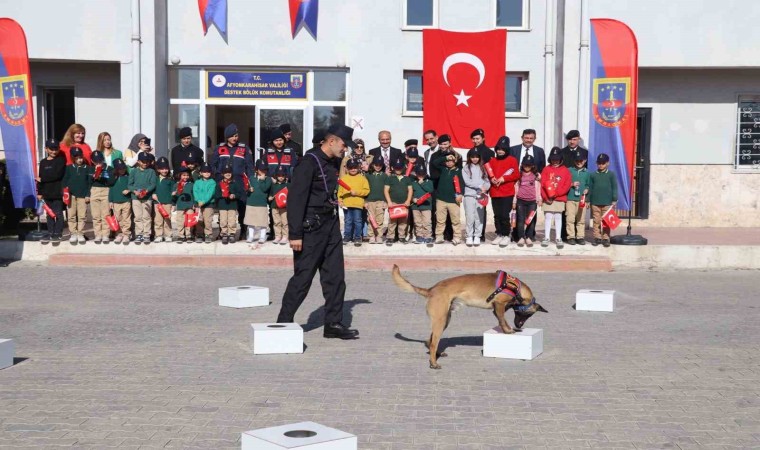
(164, 188)
(185, 200)
(446, 192)
(376, 186)
(225, 204)
(399, 188)
(582, 177)
(276, 187)
(142, 179)
(602, 188)
(106, 179)
(115, 192)
(418, 190)
(260, 194)
(204, 191)
(78, 179)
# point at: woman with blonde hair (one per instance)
(105, 145)
(74, 137)
(360, 155)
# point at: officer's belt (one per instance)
(320, 212)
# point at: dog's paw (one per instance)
(435, 366)
(443, 355)
(508, 331)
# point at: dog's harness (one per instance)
(502, 280)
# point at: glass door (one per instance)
(270, 117)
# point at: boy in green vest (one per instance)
(602, 196)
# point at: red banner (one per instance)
(464, 75)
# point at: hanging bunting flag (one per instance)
(214, 12)
(303, 14)
(614, 94)
(16, 114)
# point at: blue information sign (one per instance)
(256, 85)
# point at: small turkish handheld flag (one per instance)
(98, 171)
(583, 201)
(66, 196)
(489, 170)
(457, 186)
(224, 186)
(180, 187)
(49, 211)
(372, 221)
(611, 219)
(409, 167)
(161, 210)
(344, 185)
(530, 217)
(423, 199)
(464, 83)
(113, 224)
(191, 219)
(281, 198)
(397, 212)
(483, 200)
(246, 182)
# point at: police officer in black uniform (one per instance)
(314, 233)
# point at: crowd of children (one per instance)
(381, 204)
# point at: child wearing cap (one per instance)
(555, 183)
(422, 211)
(50, 189)
(526, 201)
(375, 201)
(602, 186)
(256, 214)
(279, 215)
(162, 226)
(204, 192)
(447, 199)
(227, 193)
(398, 191)
(352, 202)
(475, 188)
(118, 196)
(184, 203)
(78, 181)
(142, 183)
(575, 214)
(102, 180)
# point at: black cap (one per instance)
(76, 152)
(281, 171)
(602, 158)
(190, 160)
(162, 163)
(276, 134)
(412, 153)
(185, 132)
(477, 132)
(206, 168)
(503, 143)
(555, 153)
(97, 156)
(378, 162)
(227, 169)
(572, 134)
(343, 132)
(143, 156)
(285, 128)
(151, 157)
(420, 170)
(183, 169)
(579, 156)
(118, 164)
(473, 152)
(319, 136)
(444, 138)
(353, 164)
(397, 164)
(230, 131)
(528, 161)
(261, 165)
(411, 142)
(53, 143)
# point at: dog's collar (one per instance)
(501, 285)
(522, 308)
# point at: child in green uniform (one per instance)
(256, 213)
(78, 180)
(422, 212)
(375, 201)
(102, 180)
(227, 193)
(398, 191)
(184, 203)
(602, 186)
(204, 192)
(279, 215)
(142, 183)
(575, 214)
(447, 200)
(120, 200)
(162, 226)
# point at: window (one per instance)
(515, 94)
(324, 116)
(181, 116)
(184, 83)
(413, 93)
(419, 14)
(748, 134)
(330, 86)
(512, 14)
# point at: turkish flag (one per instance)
(281, 198)
(611, 219)
(463, 79)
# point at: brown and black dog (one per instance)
(471, 290)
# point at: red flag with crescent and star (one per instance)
(463, 79)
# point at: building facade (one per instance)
(145, 66)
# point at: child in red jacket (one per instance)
(555, 184)
(505, 171)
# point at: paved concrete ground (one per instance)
(134, 357)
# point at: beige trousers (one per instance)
(600, 229)
(280, 218)
(77, 212)
(123, 214)
(162, 227)
(576, 220)
(423, 225)
(99, 210)
(228, 220)
(142, 209)
(376, 210)
(443, 209)
(205, 221)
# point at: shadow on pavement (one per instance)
(317, 317)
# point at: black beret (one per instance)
(572, 134)
(444, 138)
(477, 132)
(602, 158)
(411, 142)
(185, 132)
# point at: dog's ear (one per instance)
(541, 308)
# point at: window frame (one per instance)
(738, 168)
(404, 111)
(525, 18)
(524, 91)
(404, 17)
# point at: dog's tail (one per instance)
(402, 283)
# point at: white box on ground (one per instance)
(526, 344)
(274, 338)
(7, 352)
(594, 300)
(243, 296)
(302, 436)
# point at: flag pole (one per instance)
(628, 238)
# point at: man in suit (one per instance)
(573, 138)
(388, 154)
(527, 148)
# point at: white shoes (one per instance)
(497, 240)
(159, 239)
(73, 239)
(476, 242)
(81, 239)
(468, 242)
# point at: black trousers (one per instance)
(323, 251)
(524, 209)
(55, 226)
(501, 208)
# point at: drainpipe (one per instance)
(136, 68)
(549, 94)
(583, 72)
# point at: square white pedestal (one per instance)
(243, 296)
(594, 300)
(7, 352)
(526, 344)
(303, 436)
(273, 338)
